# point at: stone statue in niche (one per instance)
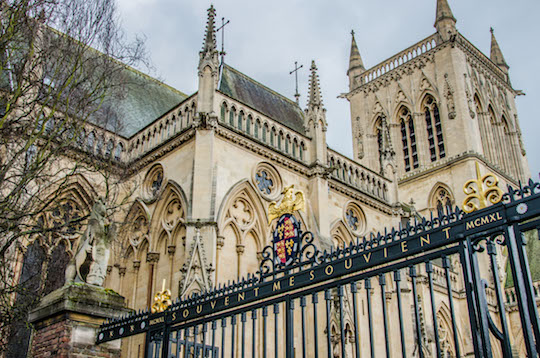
(360, 144)
(449, 94)
(89, 264)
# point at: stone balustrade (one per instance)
(511, 295)
(263, 129)
(173, 122)
(397, 60)
(353, 174)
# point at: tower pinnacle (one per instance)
(314, 97)
(496, 54)
(355, 60)
(445, 22)
(356, 66)
(209, 49)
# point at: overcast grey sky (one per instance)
(264, 38)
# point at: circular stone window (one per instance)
(267, 180)
(153, 182)
(355, 219)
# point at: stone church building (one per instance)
(206, 166)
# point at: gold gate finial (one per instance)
(292, 200)
(162, 300)
(480, 191)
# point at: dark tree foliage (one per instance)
(59, 61)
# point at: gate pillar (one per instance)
(66, 320)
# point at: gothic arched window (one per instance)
(90, 142)
(232, 114)
(442, 199)
(256, 129)
(434, 129)
(408, 139)
(223, 111)
(248, 124)
(240, 120)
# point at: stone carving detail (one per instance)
(400, 97)
(196, 273)
(153, 182)
(469, 98)
(354, 218)
(89, 264)
(449, 95)
(360, 144)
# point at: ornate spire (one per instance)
(496, 54)
(445, 22)
(209, 45)
(314, 97)
(355, 60)
(444, 12)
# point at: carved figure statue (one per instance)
(89, 264)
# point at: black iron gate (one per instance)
(432, 289)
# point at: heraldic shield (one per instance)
(286, 239)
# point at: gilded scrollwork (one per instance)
(481, 191)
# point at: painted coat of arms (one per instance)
(286, 239)
(287, 235)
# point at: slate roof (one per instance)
(145, 100)
(261, 98)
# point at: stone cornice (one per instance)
(443, 165)
(137, 164)
(475, 57)
(262, 149)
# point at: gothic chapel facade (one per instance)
(210, 163)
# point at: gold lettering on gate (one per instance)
(241, 296)
(291, 281)
(311, 275)
(185, 313)
(484, 220)
(226, 301)
(385, 251)
(174, 316)
(199, 308)
(256, 290)
(446, 232)
(404, 246)
(426, 240)
(368, 257)
(348, 264)
(329, 270)
(213, 304)
(277, 286)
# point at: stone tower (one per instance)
(439, 105)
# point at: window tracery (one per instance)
(408, 139)
(153, 182)
(354, 218)
(267, 180)
(442, 199)
(434, 129)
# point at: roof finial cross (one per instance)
(295, 71)
(222, 28)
